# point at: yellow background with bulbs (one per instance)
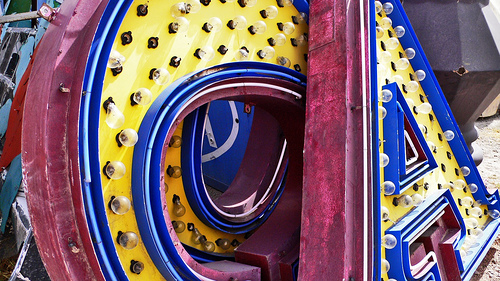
(139, 60)
(414, 96)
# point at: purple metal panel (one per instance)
(333, 196)
(50, 143)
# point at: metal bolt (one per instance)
(63, 89)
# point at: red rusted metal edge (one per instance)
(51, 170)
(336, 190)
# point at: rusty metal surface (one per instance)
(332, 208)
(50, 144)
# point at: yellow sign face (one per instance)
(157, 43)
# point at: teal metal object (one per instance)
(9, 189)
(4, 117)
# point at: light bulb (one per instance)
(114, 117)
(270, 12)
(299, 18)
(391, 43)
(301, 40)
(247, 3)
(420, 74)
(404, 201)
(465, 171)
(380, 32)
(266, 53)
(128, 240)
(205, 53)
(283, 3)
(115, 59)
(378, 7)
(115, 170)
(424, 108)
(386, 266)
(389, 241)
(385, 95)
(384, 212)
(242, 54)
(388, 8)
(471, 222)
(381, 72)
(384, 160)
(494, 214)
(288, 28)
(179, 209)
(396, 79)
(476, 212)
(195, 6)
(136, 267)
(127, 137)
(382, 112)
(213, 24)
(466, 201)
(388, 187)
(196, 236)
(239, 23)
(120, 205)
(469, 242)
(417, 199)
(180, 24)
(422, 128)
(207, 245)
(449, 135)
(175, 141)
(174, 172)
(476, 233)
(412, 86)
(180, 9)
(384, 56)
(259, 27)
(400, 31)
(161, 76)
(277, 40)
(141, 96)
(473, 188)
(449, 185)
(432, 146)
(385, 23)
(223, 243)
(179, 226)
(410, 53)
(284, 61)
(402, 64)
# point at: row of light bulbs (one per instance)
(179, 210)
(115, 170)
(214, 24)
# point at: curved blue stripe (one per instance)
(147, 154)
(89, 125)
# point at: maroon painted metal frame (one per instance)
(51, 171)
(334, 221)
